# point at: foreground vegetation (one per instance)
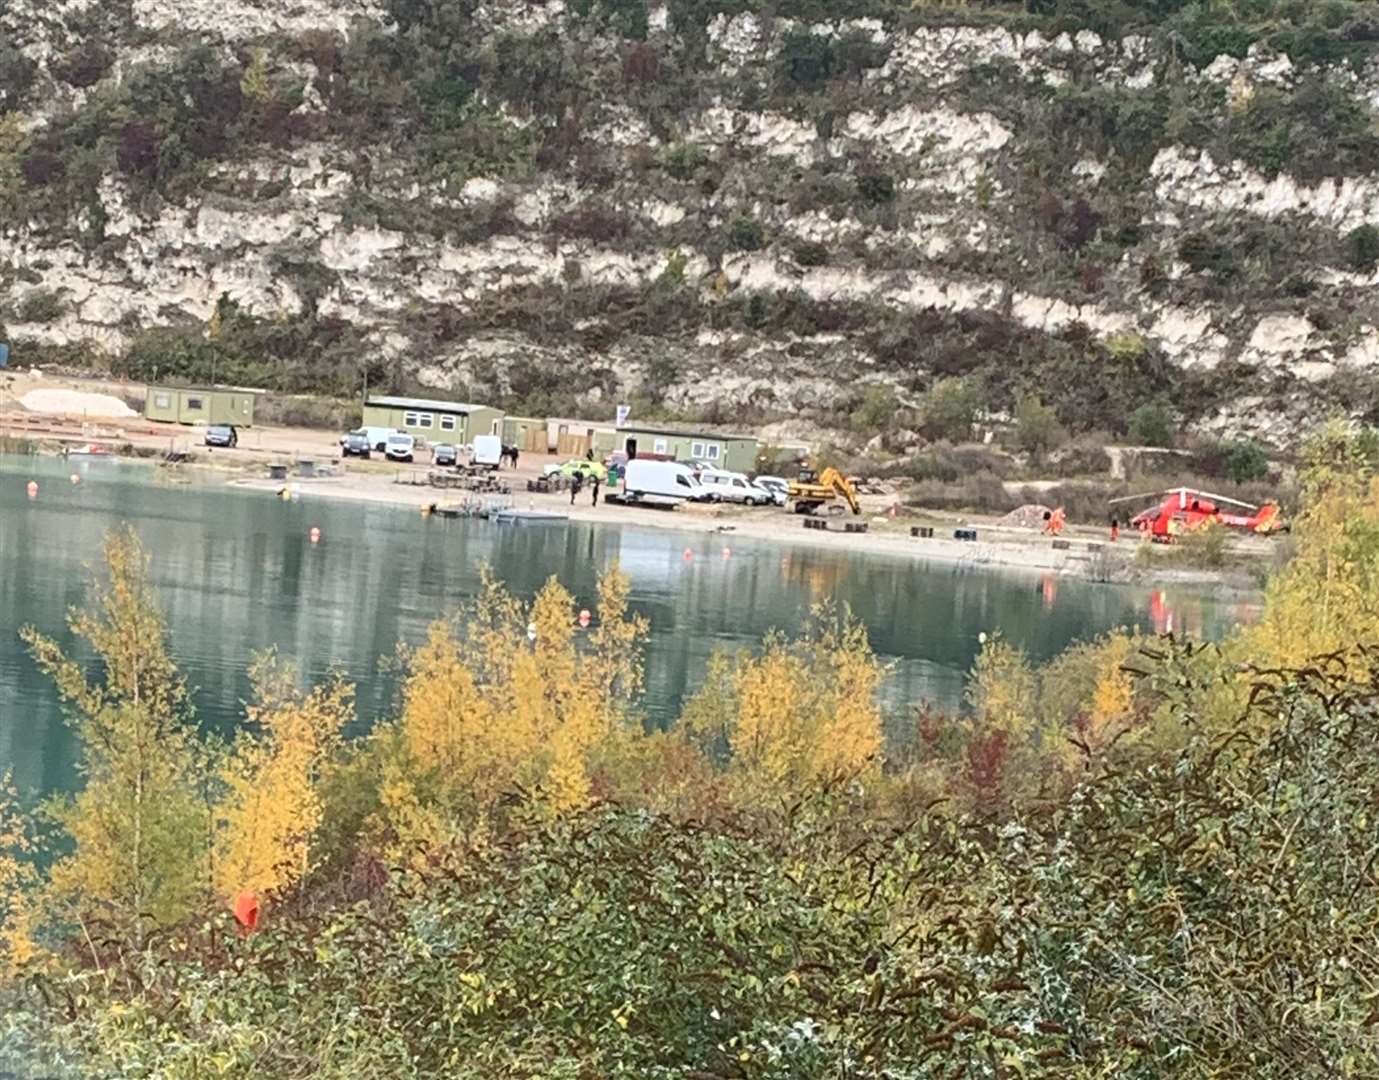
(1148, 858)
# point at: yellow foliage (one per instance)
(802, 711)
(138, 828)
(1327, 598)
(489, 708)
(1088, 700)
(18, 881)
(1002, 689)
(272, 809)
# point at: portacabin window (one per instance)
(447, 423)
(713, 451)
(696, 450)
(411, 419)
(162, 401)
(426, 419)
(195, 403)
(660, 447)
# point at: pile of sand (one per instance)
(76, 403)
(1029, 516)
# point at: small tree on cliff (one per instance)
(137, 827)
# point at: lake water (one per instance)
(237, 573)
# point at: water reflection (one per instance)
(237, 573)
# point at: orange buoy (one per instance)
(315, 535)
(688, 553)
(247, 912)
(32, 489)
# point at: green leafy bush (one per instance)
(682, 160)
(626, 18)
(1240, 461)
(1362, 245)
(949, 410)
(41, 306)
(745, 233)
(807, 59)
(809, 253)
(876, 187)
(1037, 430)
(1151, 425)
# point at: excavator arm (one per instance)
(832, 478)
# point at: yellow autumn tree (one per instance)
(18, 884)
(510, 696)
(138, 827)
(272, 808)
(803, 710)
(1327, 598)
(1004, 730)
(1086, 699)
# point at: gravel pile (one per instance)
(1029, 516)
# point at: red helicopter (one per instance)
(1183, 509)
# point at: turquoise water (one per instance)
(237, 573)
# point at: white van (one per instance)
(660, 483)
(488, 450)
(724, 486)
(400, 446)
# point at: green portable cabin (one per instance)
(526, 433)
(735, 453)
(435, 421)
(193, 405)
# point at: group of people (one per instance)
(577, 485)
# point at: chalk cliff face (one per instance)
(702, 208)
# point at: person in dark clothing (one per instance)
(595, 481)
(576, 483)
(513, 455)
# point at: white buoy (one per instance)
(531, 631)
(75, 479)
(315, 535)
(32, 489)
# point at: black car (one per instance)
(222, 435)
(355, 444)
(444, 454)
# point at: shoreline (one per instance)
(1088, 554)
(1001, 548)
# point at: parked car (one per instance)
(355, 444)
(444, 454)
(400, 446)
(579, 466)
(724, 486)
(778, 486)
(660, 483)
(222, 435)
(377, 436)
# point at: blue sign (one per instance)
(4, 354)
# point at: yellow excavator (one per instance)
(811, 492)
